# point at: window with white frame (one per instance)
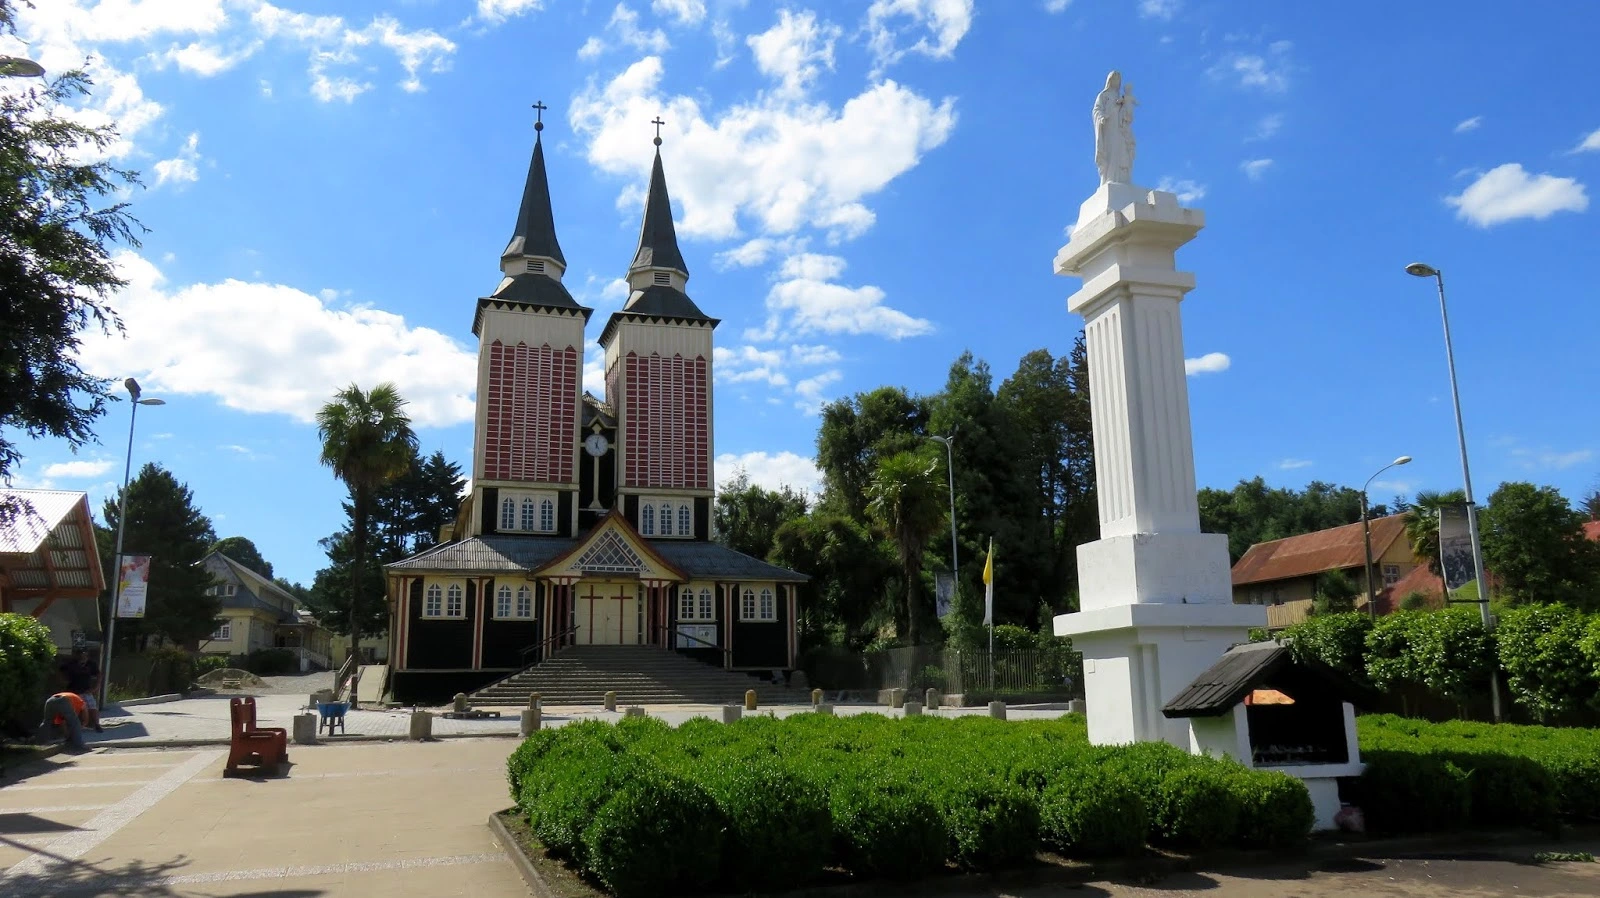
(455, 601)
(1391, 574)
(686, 606)
(524, 602)
(708, 607)
(666, 517)
(747, 604)
(527, 512)
(647, 519)
(433, 603)
(502, 602)
(685, 520)
(694, 605)
(224, 631)
(767, 609)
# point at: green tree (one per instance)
(1422, 523)
(907, 501)
(165, 523)
(1591, 504)
(850, 570)
(367, 441)
(856, 432)
(59, 219)
(242, 550)
(1539, 647)
(331, 597)
(409, 511)
(1534, 543)
(747, 516)
(1253, 512)
(1335, 593)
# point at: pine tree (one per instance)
(164, 522)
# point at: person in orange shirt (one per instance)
(65, 711)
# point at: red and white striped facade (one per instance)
(659, 379)
(530, 388)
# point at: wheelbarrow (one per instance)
(332, 716)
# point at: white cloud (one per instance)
(1159, 9)
(811, 390)
(1531, 459)
(1294, 464)
(203, 59)
(180, 169)
(1590, 143)
(727, 41)
(1255, 169)
(625, 22)
(774, 367)
(772, 470)
(261, 347)
(414, 49)
(1268, 126)
(72, 469)
(813, 355)
(795, 50)
(329, 89)
(1397, 487)
(784, 163)
(591, 48)
(1268, 73)
(1210, 363)
(944, 21)
(1470, 124)
(497, 11)
(805, 300)
(594, 369)
(684, 12)
(1056, 6)
(1187, 191)
(748, 364)
(1508, 193)
(758, 250)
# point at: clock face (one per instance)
(596, 444)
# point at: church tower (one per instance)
(530, 379)
(658, 382)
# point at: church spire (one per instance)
(658, 241)
(535, 234)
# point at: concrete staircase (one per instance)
(640, 675)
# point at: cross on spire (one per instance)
(538, 112)
(658, 123)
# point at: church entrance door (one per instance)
(608, 614)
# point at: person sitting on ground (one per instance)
(64, 711)
(82, 678)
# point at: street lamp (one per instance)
(1366, 531)
(1421, 270)
(17, 67)
(122, 525)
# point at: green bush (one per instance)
(657, 834)
(886, 826)
(1337, 640)
(1405, 792)
(171, 670)
(1274, 809)
(1195, 807)
(1446, 651)
(1540, 648)
(27, 662)
(1087, 815)
(779, 825)
(989, 822)
(205, 664)
(272, 662)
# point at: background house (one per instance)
(259, 614)
(1283, 574)
(49, 565)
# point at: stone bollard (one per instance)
(421, 726)
(897, 698)
(816, 696)
(611, 701)
(305, 729)
(731, 713)
(749, 699)
(997, 710)
(633, 711)
(460, 704)
(1076, 706)
(913, 709)
(824, 709)
(535, 700)
(532, 719)
(931, 699)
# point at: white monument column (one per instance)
(1155, 593)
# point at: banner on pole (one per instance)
(988, 586)
(1455, 547)
(133, 585)
(944, 591)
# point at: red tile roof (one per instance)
(1591, 529)
(1418, 579)
(1338, 548)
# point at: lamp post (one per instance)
(1421, 270)
(955, 564)
(122, 525)
(18, 67)
(1366, 532)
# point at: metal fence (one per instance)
(1019, 673)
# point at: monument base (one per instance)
(1169, 568)
(1137, 657)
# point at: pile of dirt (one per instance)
(229, 675)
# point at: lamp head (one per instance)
(939, 439)
(1403, 460)
(152, 402)
(1421, 270)
(17, 67)
(133, 388)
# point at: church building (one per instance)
(588, 521)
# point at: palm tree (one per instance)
(367, 441)
(1422, 523)
(907, 499)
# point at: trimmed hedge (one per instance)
(767, 804)
(27, 664)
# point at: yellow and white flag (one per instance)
(988, 586)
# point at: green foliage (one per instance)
(171, 670)
(1253, 512)
(990, 823)
(1540, 650)
(906, 500)
(1406, 792)
(1422, 523)
(1335, 592)
(204, 664)
(1337, 640)
(242, 550)
(1085, 815)
(1416, 600)
(658, 833)
(1195, 807)
(1534, 542)
(27, 662)
(272, 662)
(779, 824)
(1446, 651)
(164, 522)
(887, 825)
(1274, 809)
(747, 515)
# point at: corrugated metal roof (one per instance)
(44, 510)
(524, 554)
(1337, 548)
(1247, 667)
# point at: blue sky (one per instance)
(863, 191)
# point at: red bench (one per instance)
(256, 746)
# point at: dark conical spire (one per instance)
(658, 241)
(535, 234)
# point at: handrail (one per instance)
(666, 630)
(543, 645)
(346, 670)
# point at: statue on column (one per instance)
(1113, 131)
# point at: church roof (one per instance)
(658, 302)
(535, 232)
(528, 290)
(594, 408)
(516, 554)
(658, 240)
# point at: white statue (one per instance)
(1113, 131)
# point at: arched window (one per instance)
(508, 514)
(454, 606)
(529, 509)
(686, 604)
(647, 520)
(666, 519)
(685, 522)
(547, 515)
(768, 610)
(747, 605)
(707, 609)
(433, 606)
(502, 602)
(524, 602)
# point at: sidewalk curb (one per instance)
(508, 844)
(357, 737)
(148, 700)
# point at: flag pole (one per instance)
(989, 600)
